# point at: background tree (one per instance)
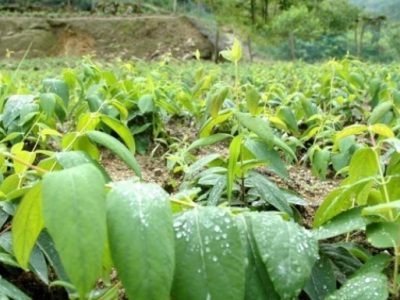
(297, 22)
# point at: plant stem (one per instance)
(189, 204)
(30, 166)
(396, 270)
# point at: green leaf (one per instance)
(236, 50)
(217, 190)
(252, 99)
(48, 104)
(116, 147)
(384, 234)
(46, 245)
(262, 153)
(270, 193)
(339, 200)
(74, 211)
(258, 283)
(234, 153)
(216, 101)
(59, 88)
(382, 130)
(9, 290)
(376, 263)
(211, 122)
(350, 130)
(260, 127)
(320, 162)
(208, 140)
(344, 261)
(14, 105)
(146, 104)
(287, 250)
(141, 236)
(70, 159)
(322, 280)
(371, 286)
(379, 111)
(123, 131)
(287, 116)
(27, 224)
(38, 264)
(209, 256)
(345, 222)
(199, 164)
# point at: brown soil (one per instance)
(143, 37)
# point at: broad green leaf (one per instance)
(371, 286)
(9, 290)
(236, 50)
(207, 128)
(46, 245)
(25, 156)
(345, 263)
(123, 132)
(70, 159)
(252, 99)
(339, 200)
(322, 280)
(234, 153)
(199, 164)
(116, 147)
(209, 256)
(27, 224)
(146, 104)
(141, 236)
(38, 264)
(74, 211)
(217, 190)
(83, 143)
(260, 127)
(350, 130)
(320, 162)
(379, 111)
(288, 251)
(13, 108)
(384, 208)
(376, 263)
(208, 140)
(262, 153)
(345, 222)
(287, 115)
(382, 130)
(216, 101)
(384, 234)
(48, 104)
(258, 283)
(270, 193)
(59, 88)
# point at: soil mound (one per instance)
(145, 37)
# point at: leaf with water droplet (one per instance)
(205, 261)
(322, 280)
(258, 283)
(287, 250)
(371, 286)
(139, 221)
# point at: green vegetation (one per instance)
(225, 224)
(310, 30)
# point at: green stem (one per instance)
(30, 166)
(396, 270)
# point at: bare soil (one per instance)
(138, 37)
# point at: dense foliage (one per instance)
(226, 224)
(283, 29)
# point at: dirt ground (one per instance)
(138, 37)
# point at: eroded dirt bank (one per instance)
(144, 37)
